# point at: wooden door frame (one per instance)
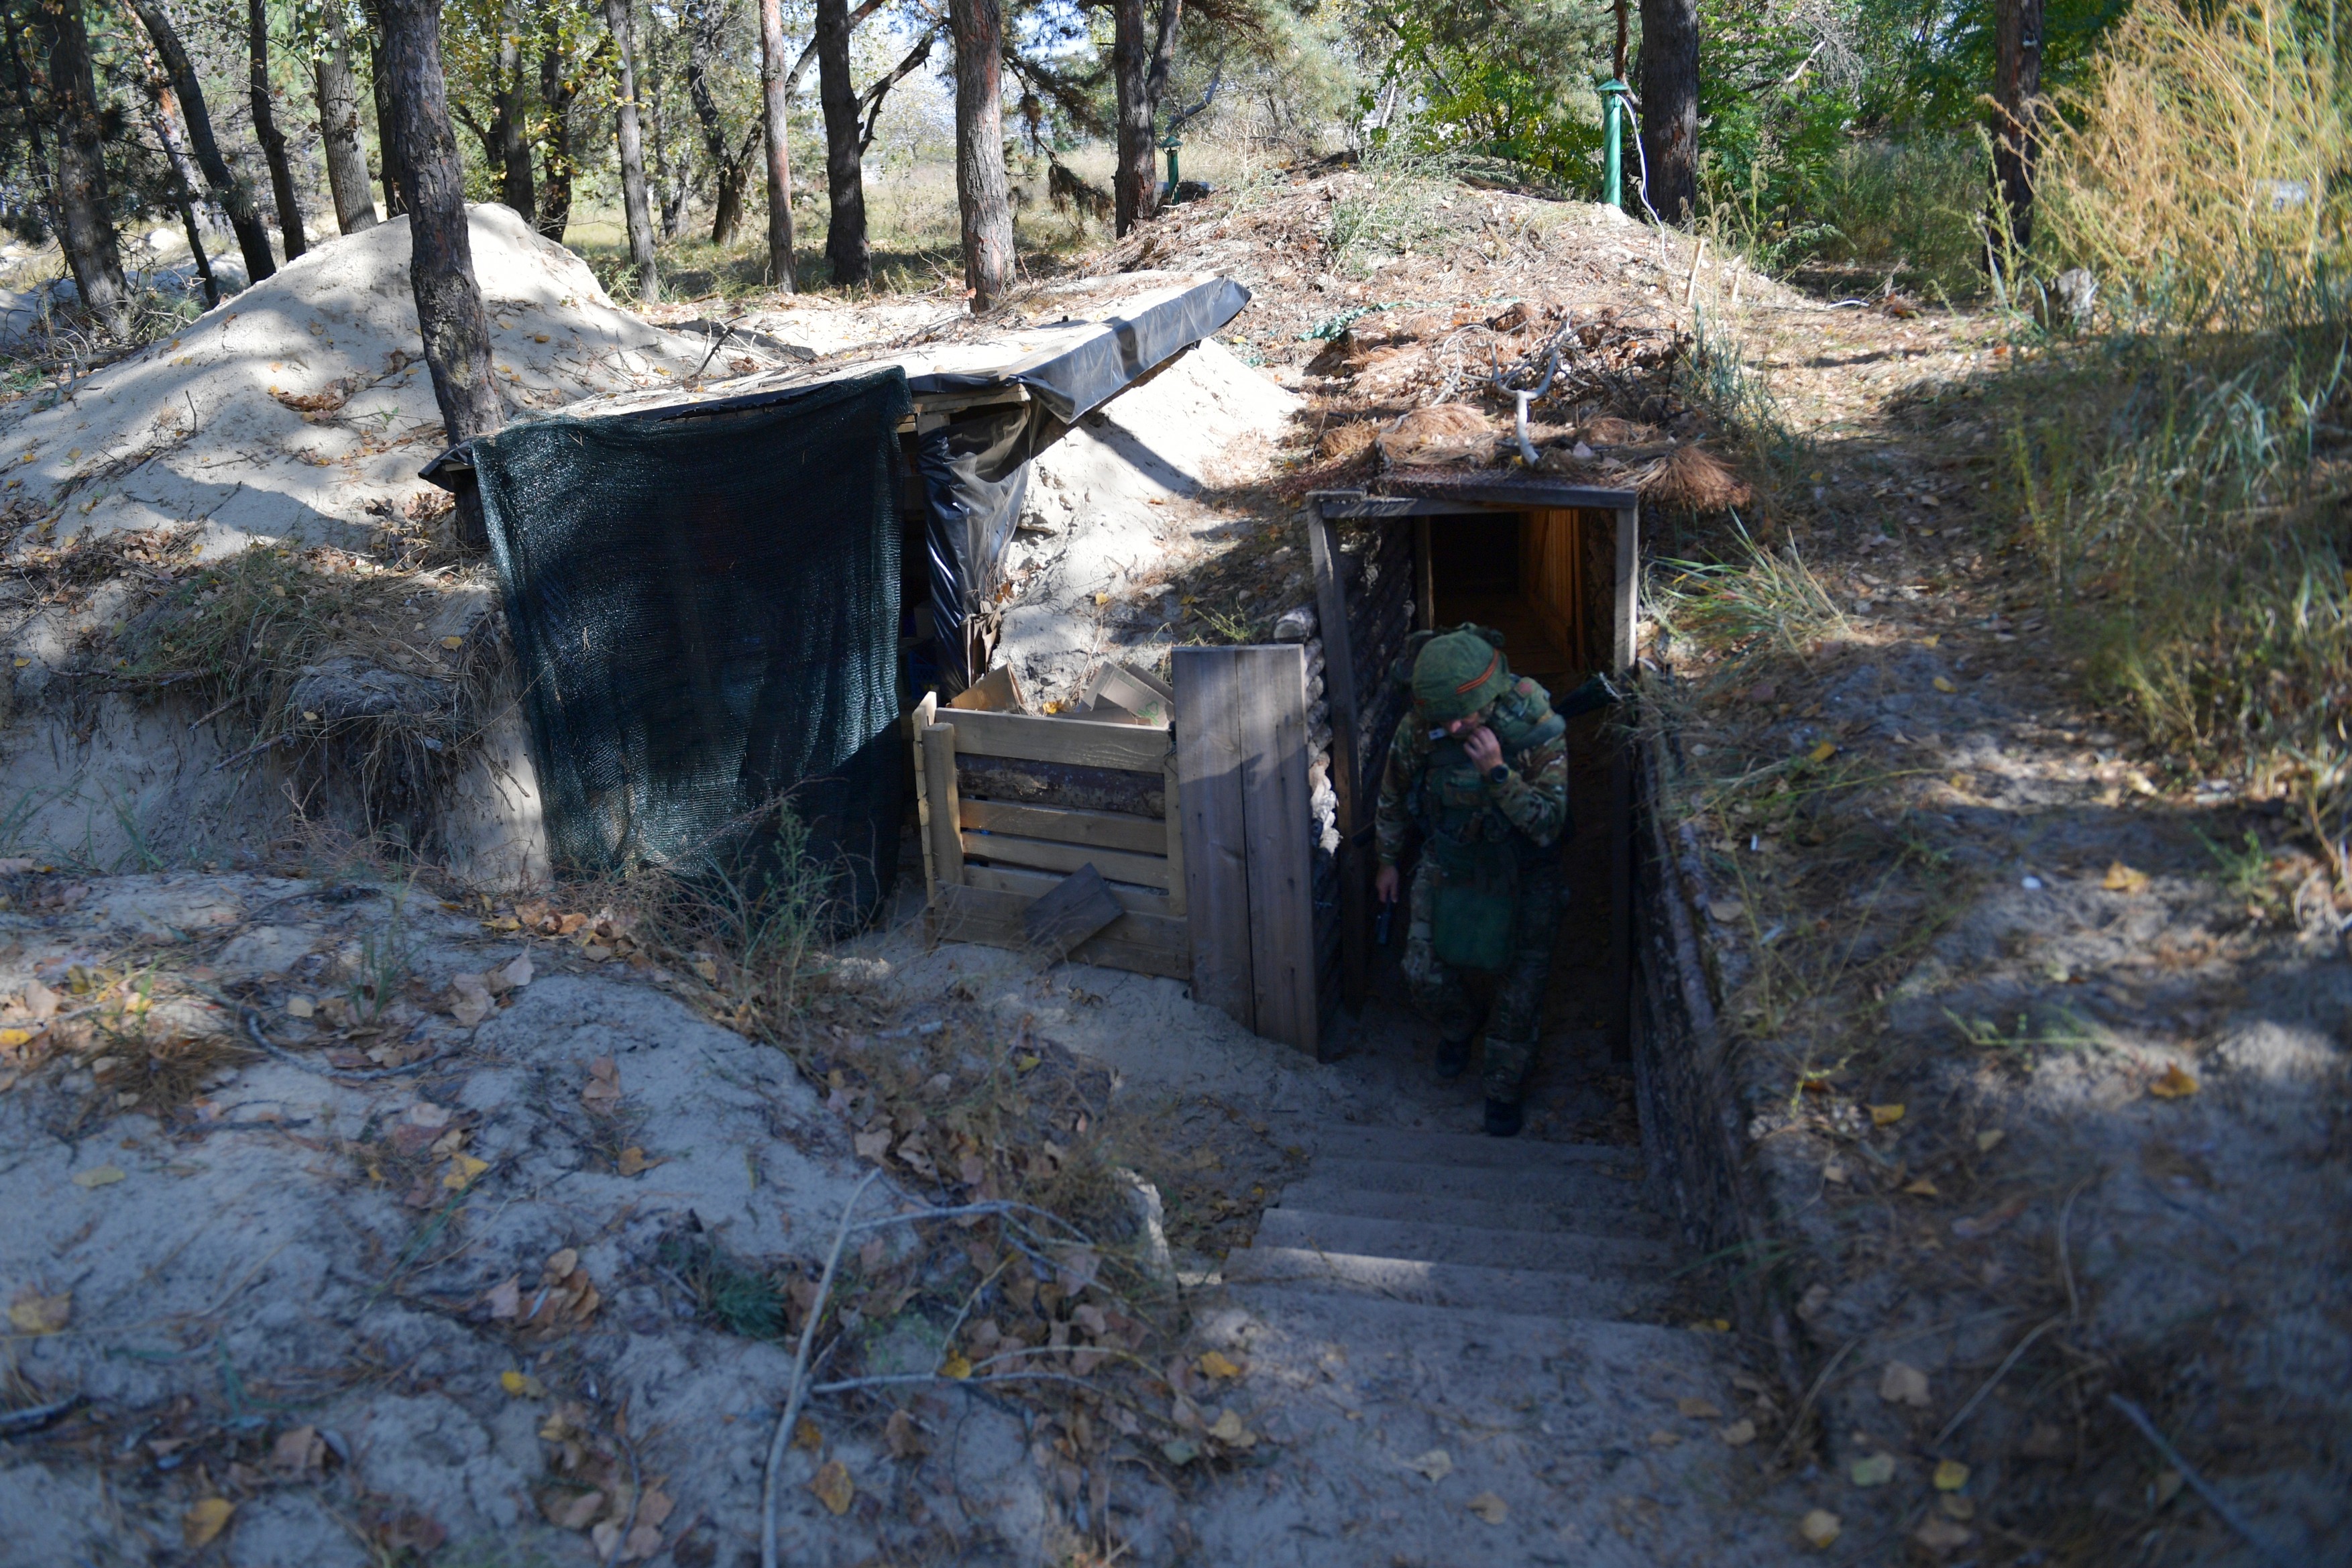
(1325, 509)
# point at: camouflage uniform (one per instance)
(1432, 783)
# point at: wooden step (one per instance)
(1556, 1251)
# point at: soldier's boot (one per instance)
(1505, 1080)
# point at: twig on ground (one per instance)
(799, 1395)
(2203, 1489)
(33, 1418)
(252, 1027)
(1989, 1383)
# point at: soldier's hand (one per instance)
(1384, 885)
(1483, 747)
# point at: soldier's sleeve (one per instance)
(1535, 798)
(1393, 813)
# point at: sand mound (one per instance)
(300, 409)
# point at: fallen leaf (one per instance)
(298, 1448)
(300, 1007)
(904, 1437)
(522, 1385)
(1697, 1409)
(603, 1094)
(1726, 909)
(1942, 1536)
(1988, 1139)
(1874, 1471)
(40, 1001)
(1945, 686)
(1025, 1061)
(462, 1169)
(1922, 1188)
(1663, 1439)
(831, 1487)
(562, 1262)
(2172, 1084)
(1214, 1365)
(1437, 1464)
(512, 976)
(872, 1145)
(1740, 1434)
(807, 1436)
(207, 1519)
(1227, 1428)
(1822, 752)
(453, 642)
(1984, 1225)
(1820, 1528)
(506, 1297)
(955, 1366)
(2122, 878)
(11, 1039)
(576, 1513)
(1950, 1476)
(1490, 1508)
(1179, 1452)
(469, 1000)
(656, 1505)
(1902, 1383)
(101, 1176)
(1835, 1171)
(33, 1313)
(1955, 1506)
(642, 1541)
(633, 1162)
(1886, 1115)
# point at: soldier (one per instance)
(1479, 765)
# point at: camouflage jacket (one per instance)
(1433, 783)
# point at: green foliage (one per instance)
(1500, 81)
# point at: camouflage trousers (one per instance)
(1514, 1025)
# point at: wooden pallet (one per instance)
(987, 861)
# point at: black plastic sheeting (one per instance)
(705, 617)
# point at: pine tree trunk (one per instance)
(775, 105)
(449, 312)
(515, 188)
(86, 224)
(252, 236)
(1131, 181)
(164, 116)
(2016, 136)
(556, 173)
(631, 136)
(395, 174)
(1670, 108)
(846, 250)
(982, 202)
(264, 128)
(339, 126)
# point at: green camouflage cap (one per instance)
(1457, 674)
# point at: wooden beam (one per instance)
(1076, 742)
(1280, 816)
(1144, 944)
(1424, 580)
(940, 786)
(1044, 855)
(1102, 830)
(1216, 834)
(1175, 831)
(1037, 884)
(1078, 906)
(1627, 600)
(1339, 689)
(925, 714)
(1627, 596)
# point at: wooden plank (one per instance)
(1621, 793)
(1037, 884)
(1628, 591)
(1051, 784)
(998, 691)
(1425, 579)
(1142, 944)
(1044, 854)
(1215, 836)
(1339, 689)
(1072, 740)
(1280, 818)
(1174, 828)
(1100, 829)
(1078, 906)
(925, 714)
(939, 784)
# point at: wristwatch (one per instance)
(1499, 774)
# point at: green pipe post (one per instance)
(1170, 147)
(1613, 140)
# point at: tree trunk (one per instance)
(731, 169)
(85, 223)
(265, 127)
(162, 117)
(395, 175)
(252, 238)
(1670, 108)
(560, 92)
(775, 104)
(2016, 135)
(671, 172)
(339, 126)
(1132, 186)
(846, 251)
(449, 312)
(982, 203)
(515, 187)
(632, 157)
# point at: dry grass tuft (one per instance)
(1691, 478)
(1439, 434)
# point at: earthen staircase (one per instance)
(1457, 1354)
